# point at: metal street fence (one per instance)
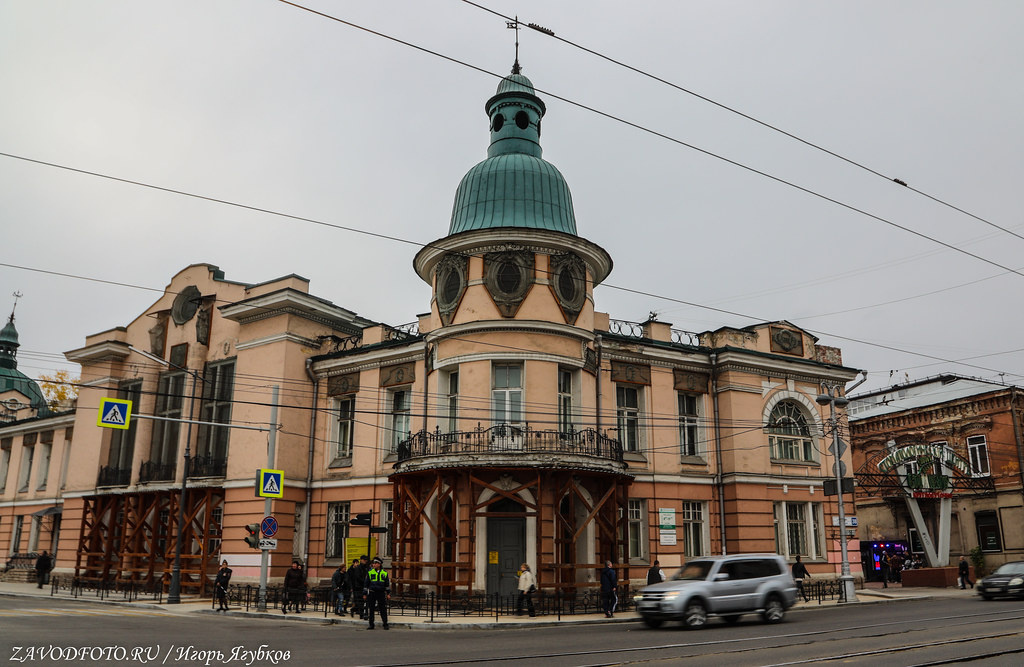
(129, 591)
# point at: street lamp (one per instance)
(835, 400)
(174, 590)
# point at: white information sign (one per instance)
(268, 544)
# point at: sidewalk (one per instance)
(872, 593)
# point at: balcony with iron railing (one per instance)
(154, 471)
(207, 466)
(113, 476)
(506, 445)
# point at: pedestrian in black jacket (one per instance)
(43, 567)
(220, 586)
(339, 589)
(609, 584)
(294, 588)
(356, 578)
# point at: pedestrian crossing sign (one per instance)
(270, 483)
(114, 413)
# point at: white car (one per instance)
(720, 586)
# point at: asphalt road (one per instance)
(937, 631)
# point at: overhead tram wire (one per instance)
(737, 112)
(660, 135)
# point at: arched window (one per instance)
(788, 433)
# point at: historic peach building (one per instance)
(511, 422)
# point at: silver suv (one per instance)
(724, 586)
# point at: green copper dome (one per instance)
(514, 187)
(10, 377)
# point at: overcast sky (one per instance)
(263, 104)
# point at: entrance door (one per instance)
(506, 540)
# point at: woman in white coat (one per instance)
(527, 585)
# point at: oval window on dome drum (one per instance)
(499, 122)
(569, 283)
(522, 120)
(450, 285)
(508, 276)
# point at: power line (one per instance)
(737, 112)
(666, 137)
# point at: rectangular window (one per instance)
(216, 530)
(387, 520)
(635, 524)
(977, 449)
(565, 418)
(122, 441)
(989, 537)
(627, 402)
(798, 529)
(162, 529)
(5, 461)
(19, 522)
(43, 471)
(344, 424)
(452, 402)
(337, 529)
(401, 410)
(793, 449)
(689, 443)
(170, 397)
(218, 392)
(27, 453)
(507, 394)
(693, 529)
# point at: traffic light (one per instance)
(253, 539)
(364, 519)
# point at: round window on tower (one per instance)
(509, 277)
(498, 123)
(522, 120)
(569, 283)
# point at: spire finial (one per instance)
(514, 25)
(17, 295)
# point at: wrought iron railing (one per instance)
(129, 591)
(153, 471)
(508, 439)
(111, 476)
(207, 466)
(636, 330)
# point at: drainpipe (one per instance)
(597, 376)
(309, 468)
(719, 481)
(1017, 437)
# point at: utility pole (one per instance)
(268, 502)
(832, 398)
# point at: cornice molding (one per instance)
(283, 337)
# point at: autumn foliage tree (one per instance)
(58, 388)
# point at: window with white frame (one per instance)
(452, 402)
(122, 441)
(27, 454)
(627, 405)
(344, 411)
(635, 510)
(689, 433)
(565, 420)
(977, 450)
(693, 529)
(401, 412)
(798, 529)
(338, 515)
(387, 520)
(789, 436)
(507, 394)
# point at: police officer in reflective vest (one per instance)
(377, 591)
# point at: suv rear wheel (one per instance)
(774, 610)
(695, 615)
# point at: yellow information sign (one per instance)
(114, 413)
(492, 557)
(359, 546)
